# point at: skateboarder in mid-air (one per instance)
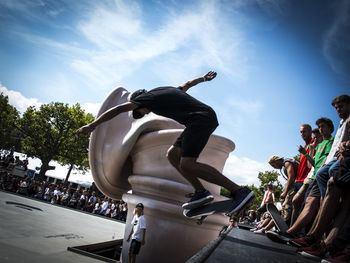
(200, 122)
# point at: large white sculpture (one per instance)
(130, 154)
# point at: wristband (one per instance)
(204, 78)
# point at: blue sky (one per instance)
(279, 62)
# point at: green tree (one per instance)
(75, 152)
(49, 134)
(270, 177)
(8, 118)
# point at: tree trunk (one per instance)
(44, 168)
(68, 174)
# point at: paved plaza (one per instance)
(34, 231)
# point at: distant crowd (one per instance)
(89, 200)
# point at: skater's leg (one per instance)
(174, 157)
(191, 170)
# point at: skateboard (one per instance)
(276, 217)
(226, 206)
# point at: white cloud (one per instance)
(336, 45)
(91, 107)
(19, 101)
(244, 171)
(183, 42)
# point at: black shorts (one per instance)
(313, 190)
(195, 136)
(135, 247)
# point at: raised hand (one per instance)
(210, 75)
(301, 149)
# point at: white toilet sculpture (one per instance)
(127, 154)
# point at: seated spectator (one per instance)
(73, 202)
(47, 193)
(39, 192)
(123, 211)
(82, 201)
(91, 202)
(23, 187)
(65, 196)
(104, 205)
(97, 207)
(269, 197)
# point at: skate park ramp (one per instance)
(243, 246)
(35, 231)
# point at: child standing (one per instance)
(137, 233)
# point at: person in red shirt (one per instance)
(303, 170)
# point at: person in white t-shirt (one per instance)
(137, 233)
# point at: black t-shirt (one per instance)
(175, 104)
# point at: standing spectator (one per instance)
(137, 233)
(342, 106)
(303, 170)
(288, 169)
(313, 193)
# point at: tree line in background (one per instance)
(47, 133)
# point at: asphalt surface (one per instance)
(244, 246)
(34, 231)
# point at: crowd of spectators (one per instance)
(88, 200)
(316, 199)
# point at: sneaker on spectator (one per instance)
(339, 257)
(241, 198)
(279, 237)
(199, 198)
(261, 231)
(305, 241)
(254, 229)
(315, 252)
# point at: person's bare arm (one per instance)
(107, 115)
(310, 160)
(207, 77)
(291, 179)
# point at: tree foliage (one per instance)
(50, 134)
(267, 177)
(8, 118)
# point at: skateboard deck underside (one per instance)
(276, 217)
(210, 209)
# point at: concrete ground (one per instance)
(34, 231)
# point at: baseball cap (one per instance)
(139, 205)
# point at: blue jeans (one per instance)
(324, 173)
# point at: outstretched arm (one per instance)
(207, 77)
(107, 115)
